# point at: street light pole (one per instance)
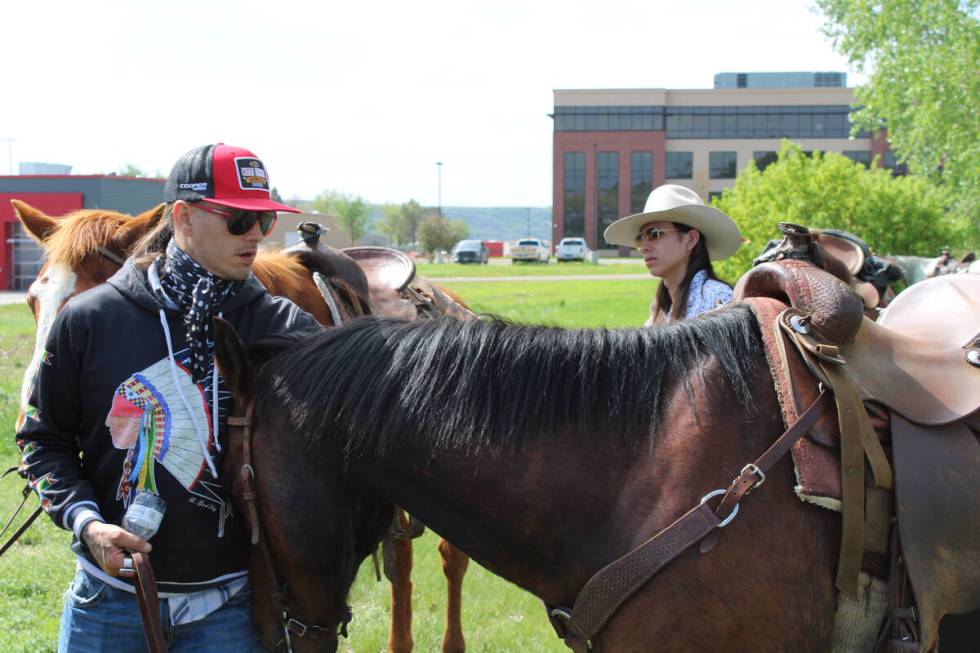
(439, 172)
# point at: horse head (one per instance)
(301, 554)
(82, 249)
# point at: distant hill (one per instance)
(486, 223)
(503, 222)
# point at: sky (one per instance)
(364, 97)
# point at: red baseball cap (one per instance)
(222, 174)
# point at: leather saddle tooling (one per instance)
(915, 377)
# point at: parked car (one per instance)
(572, 249)
(470, 251)
(529, 250)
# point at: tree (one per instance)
(922, 59)
(894, 215)
(130, 170)
(275, 196)
(352, 211)
(436, 233)
(393, 224)
(413, 214)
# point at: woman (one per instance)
(679, 237)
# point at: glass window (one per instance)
(891, 163)
(641, 179)
(764, 158)
(721, 165)
(607, 192)
(574, 192)
(713, 195)
(860, 156)
(679, 165)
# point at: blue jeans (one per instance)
(98, 617)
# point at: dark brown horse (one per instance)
(86, 247)
(545, 454)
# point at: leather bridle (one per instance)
(291, 626)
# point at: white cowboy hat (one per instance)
(682, 205)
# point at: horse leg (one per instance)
(454, 564)
(398, 569)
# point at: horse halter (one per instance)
(111, 255)
(291, 626)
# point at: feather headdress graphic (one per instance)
(158, 429)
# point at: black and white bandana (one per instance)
(198, 293)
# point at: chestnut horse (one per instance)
(86, 247)
(544, 454)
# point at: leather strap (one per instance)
(149, 604)
(292, 627)
(617, 582)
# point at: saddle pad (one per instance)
(817, 466)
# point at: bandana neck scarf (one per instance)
(198, 293)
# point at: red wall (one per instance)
(53, 204)
(494, 247)
(624, 142)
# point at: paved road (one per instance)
(7, 297)
(545, 277)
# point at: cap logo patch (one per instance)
(251, 174)
(198, 186)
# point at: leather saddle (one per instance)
(395, 289)
(921, 362)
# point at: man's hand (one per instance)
(109, 544)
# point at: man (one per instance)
(129, 403)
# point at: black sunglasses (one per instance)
(240, 221)
(651, 234)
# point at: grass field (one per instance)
(508, 269)
(497, 616)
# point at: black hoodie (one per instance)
(112, 414)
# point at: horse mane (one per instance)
(446, 383)
(82, 233)
(281, 274)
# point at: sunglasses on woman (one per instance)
(651, 234)
(240, 221)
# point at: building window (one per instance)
(607, 193)
(641, 179)
(721, 165)
(609, 118)
(713, 195)
(859, 156)
(679, 165)
(574, 192)
(891, 163)
(764, 158)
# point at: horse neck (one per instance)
(548, 515)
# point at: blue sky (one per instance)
(364, 97)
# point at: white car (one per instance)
(529, 250)
(572, 249)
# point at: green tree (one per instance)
(894, 215)
(130, 170)
(352, 211)
(413, 214)
(922, 60)
(436, 233)
(275, 196)
(393, 224)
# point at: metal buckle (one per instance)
(752, 467)
(727, 520)
(298, 628)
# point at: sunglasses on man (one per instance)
(240, 221)
(651, 234)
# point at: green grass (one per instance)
(508, 269)
(497, 616)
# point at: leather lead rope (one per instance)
(149, 604)
(25, 493)
(617, 582)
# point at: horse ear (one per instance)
(137, 227)
(231, 358)
(39, 226)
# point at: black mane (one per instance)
(475, 384)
